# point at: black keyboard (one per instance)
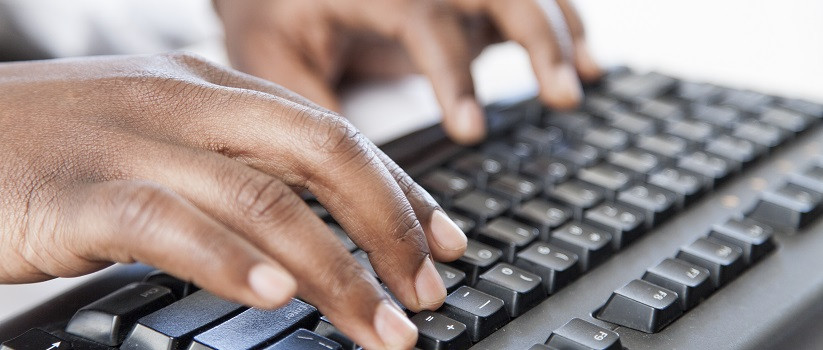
(662, 214)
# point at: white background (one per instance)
(772, 46)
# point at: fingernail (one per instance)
(429, 286)
(272, 285)
(470, 124)
(393, 327)
(567, 90)
(446, 233)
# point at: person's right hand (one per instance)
(186, 166)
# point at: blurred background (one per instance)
(771, 46)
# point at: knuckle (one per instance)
(334, 134)
(345, 277)
(140, 207)
(407, 229)
(262, 198)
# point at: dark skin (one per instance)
(192, 168)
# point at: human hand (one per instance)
(310, 45)
(186, 166)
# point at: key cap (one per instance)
(519, 289)
(724, 261)
(326, 329)
(643, 306)
(447, 184)
(608, 178)
(624, 224)
(578, 334)
(759, 133)
(576, 195)
(541, 347)
(686, 185)
(639, 163)
(691, 282)
(699, 92)
(747, 101)
(542, 139)
(712, 168)
(634, 87)
(791, 207)
(514, 187)
(632, 123)
(606, 139)
(477, 259)
(463, 222)
(479, 167)
(179, 288)
(668, 148)
(507, 235)
(36, 339)
(805, 107)
(439, 332)
(600, 105)
(481, 313)
(452, 277)
(108, 320)
(254, 327)
(572, 124)
(661, 110)
(811, 178)
(481, 207)
(343, 237)
(543, 215)
(363, 259)
(591, 245)
(173, 326)
(754, 238)
(304, 339)
(555, 266)
(547, 170)
(694, 132)
(785, 119)
(655, 203)
(720, 116)
(579, 155)
(733, 148)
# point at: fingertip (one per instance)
(466, 122)
(273, 286)
(564, 90)
(431, 292)
(396, 331)
(448, 237)
(587, 67)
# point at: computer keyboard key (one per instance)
(632, 123)
(343, 237)
(578, 334)
(746, 101)
(481, 313)
(555, 266)
(507, 235)
(179, 288)
(712, 168)
(606, 139)
(515, 188)
(642, 306)
(805, 107)
(548, 171)
(36, 339)
(447, 184)
(519, 289)
(760, 133)
(600, 105)
(785, 119)
(638, 162)
(691, 282)
(439, 332)
(326, 329)
(542, 139)
(730, 147)
(108, 320)
(254, 327)
(699, 92)
(477, 259)
(753, 237)
(693, 131)
(452, 277)
(480, 167)
(624, 224)
(173, 326)
(791, 207)
(513, 156)
(571, 124)
(668, 148)
(608, 178)
(661, 110)
(577, 196)
(541, 347)
(721, 116)
(304, 339)
(543, 215)
(685, 185)
(635, 87)
(464, 223)
(591, 245)
(724, 261)
(655, 203)
(480, 206)
(580, 155)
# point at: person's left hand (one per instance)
(310, 46)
